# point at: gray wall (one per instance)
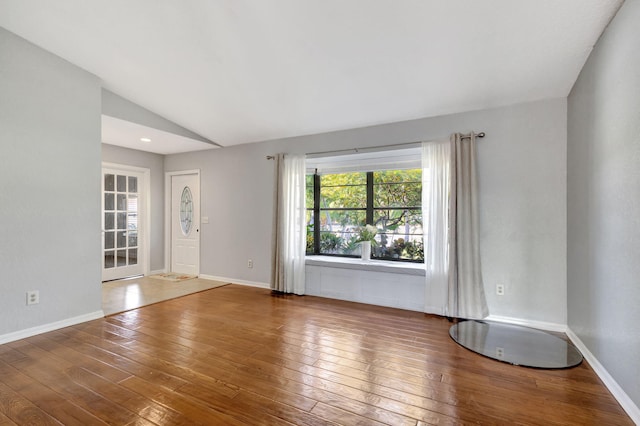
(522, 169)
(155, 163)
(49, 186)
(603, 201)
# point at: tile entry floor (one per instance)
(131, 293)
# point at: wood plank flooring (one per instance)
(237, 355)
(131, 293)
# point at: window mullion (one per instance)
(316, 213)
(369, 218)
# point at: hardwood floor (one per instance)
(131, 293)
(239, 355)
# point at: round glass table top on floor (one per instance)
(515, 344)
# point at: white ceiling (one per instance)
(238, 71)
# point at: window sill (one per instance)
(372, 265)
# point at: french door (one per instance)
(123, 215)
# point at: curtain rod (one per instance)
(478, 135)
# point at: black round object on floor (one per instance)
(515, 344)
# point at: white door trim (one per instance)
(146, 226)
(167, 214)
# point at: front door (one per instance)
(122, 216)
(185, 223)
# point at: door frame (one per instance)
(146, 204)
(167, 215)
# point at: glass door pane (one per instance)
(121, 216)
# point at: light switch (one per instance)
(205, 219)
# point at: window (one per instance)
(339, 203)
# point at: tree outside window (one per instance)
(338, 204)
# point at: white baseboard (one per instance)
(618, 393)
(540, 325)
(23, 334)
(157, 271)
(235, 281)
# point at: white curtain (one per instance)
(289, 231)
(454, 284)
(435, 207)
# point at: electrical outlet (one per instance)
(500, 289)
(33, 297)
(500, 353)
(250, 263)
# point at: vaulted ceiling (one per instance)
(239, 71)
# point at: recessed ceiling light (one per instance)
(145, 140)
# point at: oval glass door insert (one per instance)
(186, 211)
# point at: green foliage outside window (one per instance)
(343, 209)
